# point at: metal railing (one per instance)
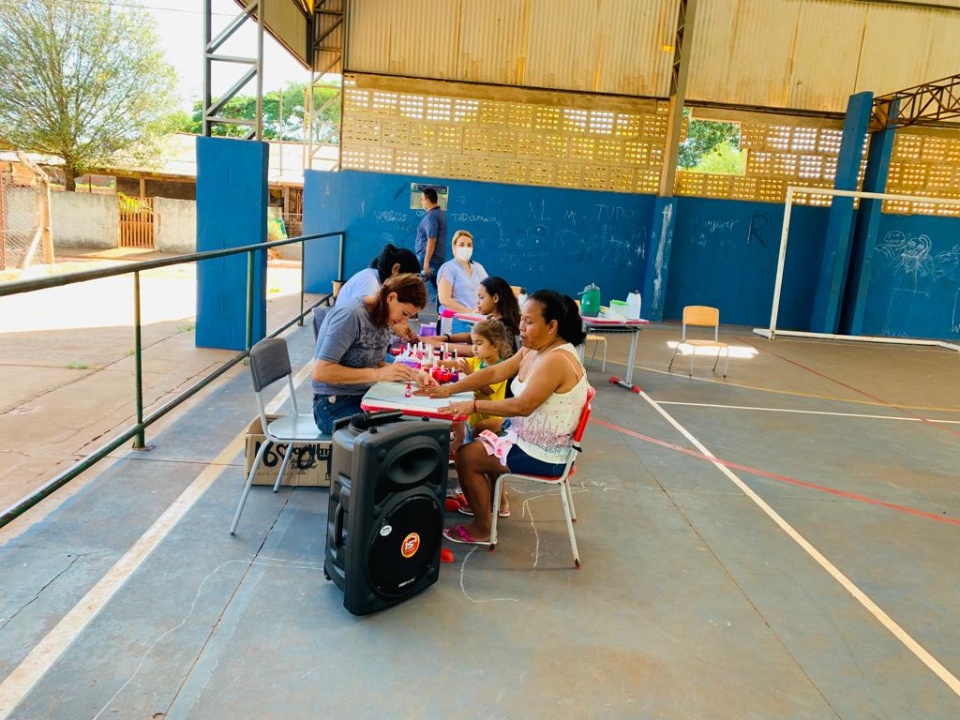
(137, 431)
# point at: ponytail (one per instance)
(564, 310)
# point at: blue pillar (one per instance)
(660, 244)
(868, 225)
(231, 212)
(324, 195)
(836, 248)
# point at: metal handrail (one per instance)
(136, 431)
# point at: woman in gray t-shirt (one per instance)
(352, 343)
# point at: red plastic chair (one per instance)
(563, 480)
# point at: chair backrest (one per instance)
(701, 316)
(269, 362)
(584, 415)
(318, 314)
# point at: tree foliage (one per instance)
(86, 82)
(705, 137)
(288, 127)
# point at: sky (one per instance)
(179, 24)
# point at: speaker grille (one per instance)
(404, 545)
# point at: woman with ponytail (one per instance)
(550, 390)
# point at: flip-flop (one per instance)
(467, 510)
(457, 534)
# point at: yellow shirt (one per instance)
(499, 390)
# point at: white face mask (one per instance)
(463, 253)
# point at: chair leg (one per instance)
(603, 367)
(675, 348)
(246, 488)
(693, 356)
(283, 466)
(726, 361)
(569, 518)
(495, 508)
(569, 490)
(716, 361)
(593, 355)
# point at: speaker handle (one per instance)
(343, 501)
(366, 420)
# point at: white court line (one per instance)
(811, 412)
(18, 684)
(898, 632)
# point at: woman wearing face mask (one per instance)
(458, 279)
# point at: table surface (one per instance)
(612, 322)
(390, 396)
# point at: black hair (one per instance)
(507, 306)
(430, 194)
(564, 310)
(390, 256)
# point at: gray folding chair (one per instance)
(269, 362)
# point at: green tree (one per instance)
(724, 159)
(288, 127)
(82, 81)
(703, 136)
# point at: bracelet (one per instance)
(476, 406)
(446, 337)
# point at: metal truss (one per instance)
(211, 110)
(328, 50)
(931, 102)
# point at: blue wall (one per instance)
(915, 279)
(725, 254)
(533, 237)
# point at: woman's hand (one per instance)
(398, 372)
(435, 391)
(461, 408)
(432, 339)
(425, 381)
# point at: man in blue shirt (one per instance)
(431, 237)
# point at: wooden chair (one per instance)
(563, 480)
(269, 362)
(702, 316)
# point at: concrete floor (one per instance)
(810, 571)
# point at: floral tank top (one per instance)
(547, 433)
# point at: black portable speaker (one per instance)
(388, 480)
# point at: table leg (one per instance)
(628, 383)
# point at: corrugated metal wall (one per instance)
(790, 54)
(608, 46)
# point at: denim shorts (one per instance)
(327, 408)
(519, 462)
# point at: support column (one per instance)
(665, 208)
(231, 212)
(825, 317)
(868, 224)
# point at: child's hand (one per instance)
(463, 366)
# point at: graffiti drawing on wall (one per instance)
(948, 267)
(915, 268)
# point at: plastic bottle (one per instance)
(633, 305)
(446, 321)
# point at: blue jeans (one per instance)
(327, 408)
(519, 462)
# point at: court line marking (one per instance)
(856, 390)
(809, 412)
(21, 681)
(866, 499)
(882, 617)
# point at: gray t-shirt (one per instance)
(348, 337)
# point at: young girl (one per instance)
(495, 299)
(491, 343)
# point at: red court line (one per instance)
(776, 476)
(925, 421)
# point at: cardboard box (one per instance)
(307, 466)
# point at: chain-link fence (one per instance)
(24, 218)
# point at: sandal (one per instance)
(458, 534)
